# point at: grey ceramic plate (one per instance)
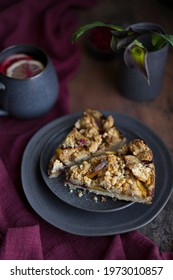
(56, 185)
(78, 221)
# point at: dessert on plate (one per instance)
(95, 157)
(128, 174)
(92, 134)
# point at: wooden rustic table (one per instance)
(94, 86)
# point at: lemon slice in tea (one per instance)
(12, 59)
(24, 68)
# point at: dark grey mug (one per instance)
(28, 97)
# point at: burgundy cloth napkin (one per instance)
(23, 234)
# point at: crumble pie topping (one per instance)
(92, 134)
(125, 176)
(95, 158)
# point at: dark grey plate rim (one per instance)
(81, 222)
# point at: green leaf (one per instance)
(159, 40)
(114, 43)
(121, 39)
(168, 38)
(89, 26)
(135, 56)
(119, 43)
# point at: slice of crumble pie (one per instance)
(91, 135)
(128, 174)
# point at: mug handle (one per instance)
(2, 112)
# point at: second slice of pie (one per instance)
(127, 175)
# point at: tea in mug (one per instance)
(21, 66)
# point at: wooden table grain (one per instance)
(94, 86)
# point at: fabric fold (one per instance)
(22, 244)
(13, 211)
